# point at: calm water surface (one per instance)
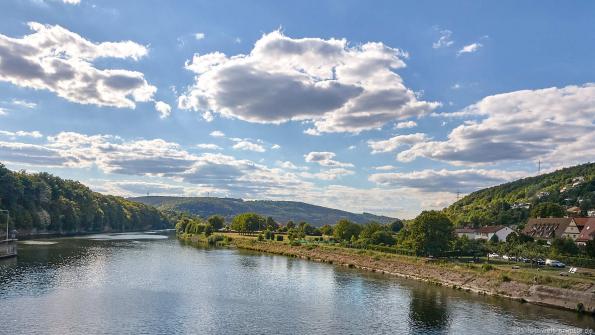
(152, 284)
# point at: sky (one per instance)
(383, 107)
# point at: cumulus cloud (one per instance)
(247, 145)
(275, 147)
(407, 124)
(55, 59)
(470, 48)
(163, 109)
(444, 40)
(208, 146)
(554, 125)
(325, 158)
(20, 133)
(217, 133)
(338, 87)
(394, 142)
(199, 36)
(72, 2)
(385, 167)
(465, 181)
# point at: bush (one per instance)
(214, 239)
(260, 237)
(486, 267)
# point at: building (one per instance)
(471, 233)
(488, 232)
(547, 228)
(485, 233)
(587, 230)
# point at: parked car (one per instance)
(493, 255)
(554, 263)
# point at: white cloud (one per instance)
(3, 111)
(394, 142)
(24, 103)
(452, 181)
(246, 145)
(55, 59)
(163, 109)
(72, 2)
(330, 174)
(407, 124)
(385, 167)
(325, 158)
(217, 133)
(554, 125)
(471, 48)
(275, 147)
(456, 86)
(444, 40)
(337, 87)
(20, 133)
(208, 146)
(351, 147)
(199, 36)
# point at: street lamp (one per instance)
(7, 218)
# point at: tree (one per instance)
(564, 246)
(494, 239)
(344, 230)
(217, 221)
(326, 230)
(271, 224)
(290, 224)
(430, 233)
(247, 222)
(209, 230)
(395, 226)
(546, 210)
(369, 229)
(382, 237)
(590, 248)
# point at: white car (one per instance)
(554, 263)
(493, 255)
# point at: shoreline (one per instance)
(467, 277)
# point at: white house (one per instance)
(485, 233)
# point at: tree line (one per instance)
(41, 202)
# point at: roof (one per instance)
(490, 229)
(465, 231)
(588, 229)
(546, 228)
(573, 209)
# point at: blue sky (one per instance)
(387, 107)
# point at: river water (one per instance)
(152, 284)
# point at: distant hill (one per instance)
(281, 211)
(511, 203)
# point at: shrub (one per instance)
(260, 237)
(486, 267)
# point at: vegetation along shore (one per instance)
(425, 248)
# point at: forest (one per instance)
(43, 203)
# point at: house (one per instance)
(587, 231)
(485, 233)
(519, 205)
(471, 233)
(573, 229)
(573, 210)
(488, 232)
(546, 228)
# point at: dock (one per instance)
(8, 248)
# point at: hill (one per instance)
(42, 203)
(512, 202)
(281, 211)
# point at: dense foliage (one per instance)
(280, 211)
(513, 202)
(40, 202)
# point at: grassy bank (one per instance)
(540, 286)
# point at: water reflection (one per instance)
(162, 286)
(428, 311)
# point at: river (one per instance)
(149, 283)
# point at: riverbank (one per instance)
(543, 287)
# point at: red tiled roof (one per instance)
(546, 228)
(490, 229)
(588, 229)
